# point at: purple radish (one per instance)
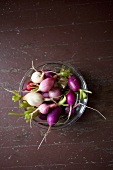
(43, 117)
(48, 73)
(52, 119)
(74, 83)
(53, 116)
(71, 99)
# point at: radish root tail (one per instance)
(94, 110)
(44, 138)
(69, 112)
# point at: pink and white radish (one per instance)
(45, 108)
(47, 84)
(55, 93)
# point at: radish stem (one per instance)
(33, 67)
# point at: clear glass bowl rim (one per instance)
(83, 83)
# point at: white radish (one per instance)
(34, 99)
(37, 77)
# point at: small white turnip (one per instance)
(37, 77)
(33, 98)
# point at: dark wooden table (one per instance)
(78, 32)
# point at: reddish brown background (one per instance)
(79, 32)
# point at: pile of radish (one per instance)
(50, 97)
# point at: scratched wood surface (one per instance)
(80, 33)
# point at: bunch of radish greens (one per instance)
(50, 96)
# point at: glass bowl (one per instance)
(56, 66)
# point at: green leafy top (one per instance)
(62, 82)
(23, 104)
(27, 113)
(83, 94)
(16, 96)
(65, 72)
(63, 76)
